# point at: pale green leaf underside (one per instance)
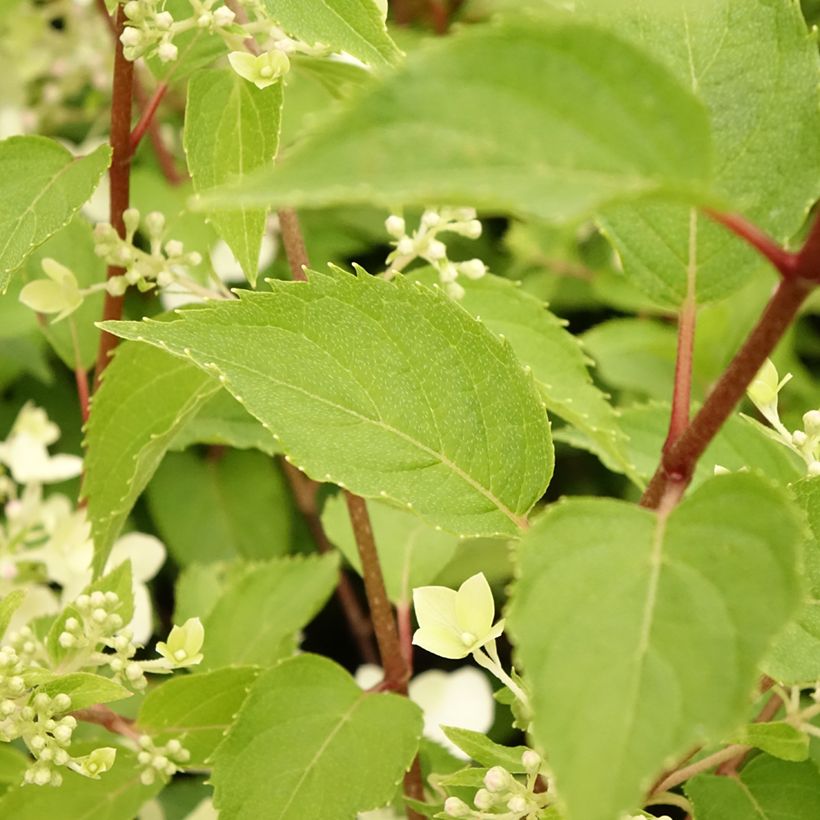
(388, 388)
(41, 187)
(232, 128)
(767, 789)
(309, 743)
(145, 398)
(754, 65)
(551, 119)
(256, 620)
(640, 640)
(354, 26)
(411, 552)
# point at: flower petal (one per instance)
(436, 606)
(475, 608)
(442, 641)
(146, 553)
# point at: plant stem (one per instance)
(148, 112)
(106, 717)
(119, 175)
(703, 765)
(405, 633)
(294, 242)
(678, 463)
(80, 375)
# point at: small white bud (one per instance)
(116, 285)
(144, 758)
(97, 598)
(436, 250)
(814, 468)
(174, 248)
(132, 9)
(456, 808)
(204, 20)
(173, 747)
(194, 258)
(72, 624)
(37, 743)
(483, 800)
(531, 760)
(223, 16)
(61, 757)
(799, 438)
(62, 702)
(133, 671)
(472, 268)
(147, 777)
(448, 272)
(42, 777)
(471, 229)
(406, 246)
(41, 701)
(111, 599)
(131, 219)
(99, 615)
(395, 226)
(454, 291)
(164, 20)
(497, 779)
(811, 422)
(518, 804)
(131, 37)
(429, 219)
(62, 734)
(167, 52)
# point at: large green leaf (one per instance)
(232, 128)
(256, 620)
(388, 388)
(230, 505)
(795, 656)
(354, 26)
(196, 709)
(41, 187)
(754, 64)
(145, 398)
(767, 789)
(640, 633)
(309, 743)
(551, 118)
(411, 552)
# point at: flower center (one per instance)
(467, 638)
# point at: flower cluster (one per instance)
(160, 761)
(763, 392)
(425, 243)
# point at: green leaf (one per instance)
(233, 505)
(199, 587)
(481, 749)
(117, 795)
(256, 620)
(411, 552)
(354, 26)
(196, 709)
(309, 743)
(73, 246)
(594, 121)
(795, 656)
(9, 604)
(754, 64)
(231, 128)
(558, 363)
(767, 789)
(779, 739)
(223, 420)
(13, 765)
(388, 388)
(85, 689)
(41, 187)
(145, 398)
(640, 634)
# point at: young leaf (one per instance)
(767, 789)
(388, 388)
(196, 709)
(145, 398)
(8, 606)
(550, 118)
(85, 689)
(779, 739)
(256, 620)
(231, 128)
(41, 187)
(236, 505)
(309, 743)
(754, 64)
(795, 656)
(641, 633)
(411, 552)
(484, 751)
(355, 26)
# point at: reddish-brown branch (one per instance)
(147, 117)
(119, 175)
(808, 257)
(682, 393)
(294, 243)
(405, 626)
(102, 715)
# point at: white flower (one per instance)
(183, 644)
(463, 698)
(261, 69)
(456, 624)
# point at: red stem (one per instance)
(80, 374)
(405, 625)
(682, 393)
(294, 243)
(102, 715)
(147, 117)
(119, 175)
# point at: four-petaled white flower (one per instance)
(456, 624)
(183, 644)
(261, 69)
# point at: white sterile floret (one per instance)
(454, 624)
(183, 644)
(263, 69)
(59, 294)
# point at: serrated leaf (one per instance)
(117, 795)
(145, 398)
(779, 739)
(234, 505)
(754, 64)
(232, 128)
(256, 619)
(355, 26)
(558, 363)
(196, 709)
(198, 588)
(794, 658)
(389, 388)
(41, 187)
(9, 604)
(767, 789)
(309, 743)
(411, 552)
(641, 633)
(484, 751)
(85, 689)
(595, 121)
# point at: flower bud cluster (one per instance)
(162, 266)
(424, 243)
(503, 794)
(47, 732)
(96, 620)
(160, 761)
